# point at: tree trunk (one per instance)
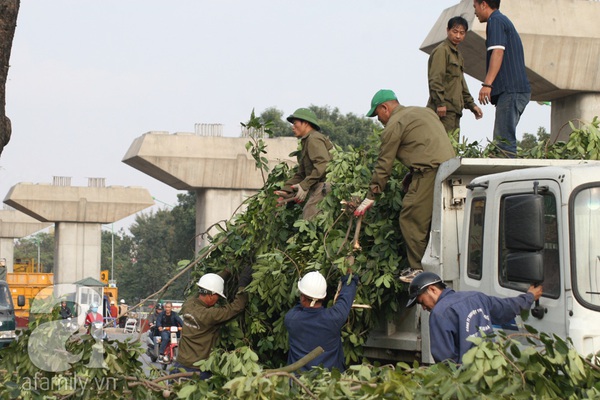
(9, 9)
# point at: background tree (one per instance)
(343, 130)
(280, 125)
(530, 141)
(27, 249)
(149, 257)
(9, 10)
(122, 253)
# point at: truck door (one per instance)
(546, 225)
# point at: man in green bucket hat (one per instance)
(309, 180)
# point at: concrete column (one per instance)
(77, 251)
(214, 205)
(579, 108)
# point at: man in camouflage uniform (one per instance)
(309, 180)
(448, 90)
(415, 137)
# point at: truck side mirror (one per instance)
(21, 300)
(525, 267)
(524, 222)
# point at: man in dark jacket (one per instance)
(164, 322)
(310, 325)
(456, 316)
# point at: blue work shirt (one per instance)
(459, 315)
(512, 77)
(309, 328)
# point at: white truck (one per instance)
(499, 225)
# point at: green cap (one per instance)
(381, 97)
(305, 115)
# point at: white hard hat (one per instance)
(122, 301)
(313, 285)
(213, 283)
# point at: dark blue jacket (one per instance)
(166, 322)
(311, 327)
(458, 315)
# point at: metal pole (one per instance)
(112, 251)
(37, 241)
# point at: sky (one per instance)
(88, 77)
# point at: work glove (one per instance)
(245, 276)
(363, 207)
(301, 195)
(283, 198)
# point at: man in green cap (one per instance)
(309, 180)
(416, 137)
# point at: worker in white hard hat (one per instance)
(202, 321)
(310, 325)
(123, 310)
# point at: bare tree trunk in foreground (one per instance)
(9, 9)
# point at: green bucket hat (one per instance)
(380, 97)
(305, 115)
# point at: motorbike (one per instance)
(69, 325)
(172, 348)
(97, 331)
(153, 343)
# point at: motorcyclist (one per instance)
(93, 316)
(165, 320)
(65, 311)
(152, 319)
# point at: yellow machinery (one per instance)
(26, 281)
(111, 290)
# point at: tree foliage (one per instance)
(282, 247)
(159, 240)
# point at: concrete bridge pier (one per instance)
(79, 213)
(219, 169)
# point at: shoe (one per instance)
(408, 274)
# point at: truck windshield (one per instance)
(5, 299)
(585, 254)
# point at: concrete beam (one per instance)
(13, 225)
(186, 161)
(79, 213)
(103, 205)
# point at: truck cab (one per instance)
(499, 225)
(7, 316)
